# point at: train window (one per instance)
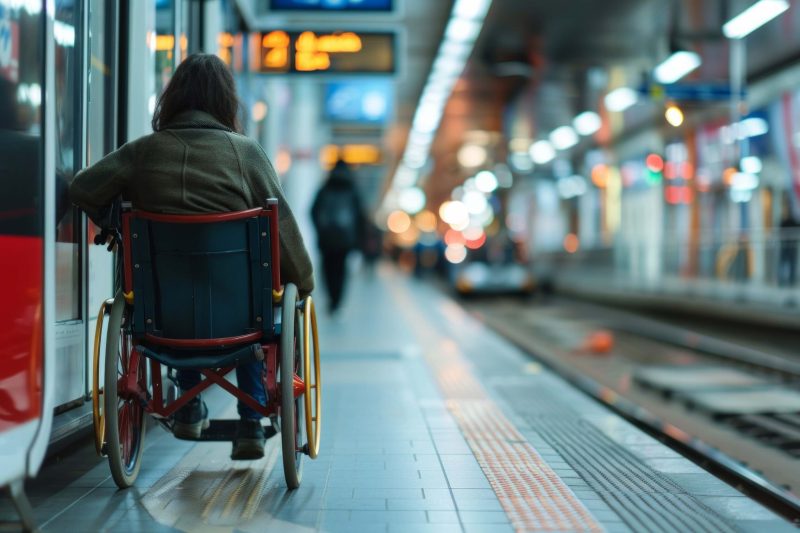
(100, 134)
(20, 115)
(67, 77)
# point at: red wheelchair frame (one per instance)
(129, 391)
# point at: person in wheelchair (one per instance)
(197, 161)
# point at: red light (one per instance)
(477, 243)
(453, 237)
(687, 170)
(678, 194)
(571, 243)
(670, 171)
(654, 163)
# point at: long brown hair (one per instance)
(201, 82)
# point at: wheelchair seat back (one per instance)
(201, 281)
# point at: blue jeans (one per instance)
(248, 377)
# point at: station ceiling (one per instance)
(559, 55)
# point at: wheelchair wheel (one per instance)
(291, 407)
(313, 390)
(124, 417)
(98, 419)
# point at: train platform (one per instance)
(432, 423)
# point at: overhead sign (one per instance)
(331, 52)
(699, 92)
(364, 101)
(331, 5)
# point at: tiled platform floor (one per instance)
(431, 423)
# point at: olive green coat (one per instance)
(196, 165)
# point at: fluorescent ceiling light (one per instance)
(587, 123)
(486, 181)
(676, 66)
(417, 137)
(752, 127)
(462, 30)
(564, 138)
(447, 66)
(427, 123)
(753, 18)
(412, 200)
(542, 152)
(454, 50)
(404, 177)
(742, 181)
(466, 20)
(751, 164)
(621, 99)
(471, 9)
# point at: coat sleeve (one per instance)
(95, 187)
(295, 262)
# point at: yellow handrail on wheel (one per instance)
(97, 415)
(313, 419)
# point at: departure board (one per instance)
(310, 51)
(331, 5)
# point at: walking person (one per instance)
(339, 220)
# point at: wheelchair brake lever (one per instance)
(103, 238)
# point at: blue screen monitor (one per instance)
(363, 101)
(331, 5)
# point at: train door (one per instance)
(101, 138)
(69, 242)
(85, 39)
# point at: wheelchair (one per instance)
(203, 292)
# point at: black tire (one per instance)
(125, 426)
(291, 408)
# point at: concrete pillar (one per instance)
(304, 134)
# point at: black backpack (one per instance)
(337, 219)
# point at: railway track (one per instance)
(778, 431)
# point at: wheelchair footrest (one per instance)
(225, 430)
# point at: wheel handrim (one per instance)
(98, 416)
(313, 417)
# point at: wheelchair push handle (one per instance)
(110, 224)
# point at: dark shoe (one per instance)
(190, 420)
(249, 442)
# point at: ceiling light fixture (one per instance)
(620, 99)
(462, 30)
(466, 21)
(753, 18)
(676, 66)
(471, 9)
(542, 152)
(564, 138)
(587, 123)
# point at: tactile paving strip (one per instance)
(531, 493)
(644, 498)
